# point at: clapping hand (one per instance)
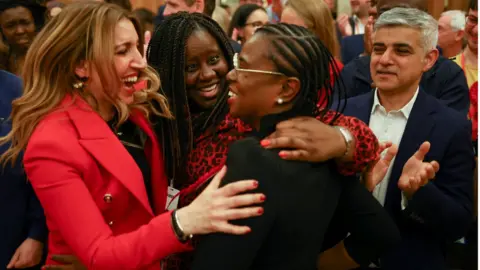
(377, 171)
(416, 173)
(368, 36)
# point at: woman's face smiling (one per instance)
(205, 68)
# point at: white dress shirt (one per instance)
(388, 126)
(359, 26)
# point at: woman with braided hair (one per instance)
(193, 55)
(277, 77)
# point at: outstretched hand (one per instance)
(212, 210)
(416, 173)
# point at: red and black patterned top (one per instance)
(473, 111)
(210, 153)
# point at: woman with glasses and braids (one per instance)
(277, 77)
(193, 56)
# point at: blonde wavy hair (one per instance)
(318, 18)
(81, 32)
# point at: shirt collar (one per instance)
(406, 110)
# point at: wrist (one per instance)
(344, 140)
(182, 225)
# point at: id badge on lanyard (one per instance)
(172, 197)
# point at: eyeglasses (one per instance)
(235, 66)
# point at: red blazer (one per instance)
(93, 192)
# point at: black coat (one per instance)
(302, 199)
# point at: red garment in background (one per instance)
(473, 111)
(321, 94)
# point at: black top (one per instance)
(131, 137)
(306, 202)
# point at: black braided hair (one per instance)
(299, 53)
(166, 53)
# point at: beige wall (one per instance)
(150, 4)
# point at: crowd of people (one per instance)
(277, 135)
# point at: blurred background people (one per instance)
(451, 35)
(20, 20)
(246, 19)
(222, 17)
(145, 16)
(354, 24)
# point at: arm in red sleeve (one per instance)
(56, 169)
(365, 143)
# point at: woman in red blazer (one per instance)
(90, 152)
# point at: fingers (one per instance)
(295, 123)
(232, 229)
(243, 200)
(391, 153)
(285, 142)
(215, 183)
(237, 187)
(435, 165)
(422, 151)
(294, 155)
(288, 133)
(384, 145)
(65, 259)
(241, 213)
(15, 258)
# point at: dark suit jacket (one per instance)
(21, 213)
(159, 17)
(351, 47)
(445, 81)
(440, 211)
(301, 200)
(236, 46)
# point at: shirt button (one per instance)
(108, 198)
(110, 223)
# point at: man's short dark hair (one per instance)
(144, 15)
(473, 5)
(209, 7)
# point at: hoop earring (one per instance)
(280, 101)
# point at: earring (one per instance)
(280, 101)
(81, 82)
(78, 85)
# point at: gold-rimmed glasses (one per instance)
(235, 66)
